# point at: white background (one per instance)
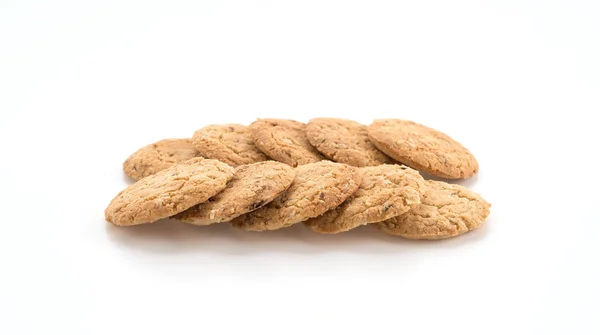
(84, 84)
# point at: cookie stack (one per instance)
(332, 175)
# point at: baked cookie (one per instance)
(344, 141)
(386, 191)
(252, 187)
(168, 192)
(284, 141)
(317, 188)
(158, 156)
(446, 210)
(423, 148)
(229, 143)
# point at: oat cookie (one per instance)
(423, 148)
(386, 191)
(317, 188)
(252, 187)
(446, 210)
(344, 141)
(168, 192)
(284, 141)
(158, 156)
(229, 143)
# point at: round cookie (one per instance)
(168, 192)
(284, 141)
(158, 156)
(386, 191)
(423, 148)
(229, 143)
(446, 210)
(317, 188)
(344, 141)
(252, 187)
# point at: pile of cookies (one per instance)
(332, 175)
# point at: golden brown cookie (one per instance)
(344, 141)
(317, 188)
(229, 143)
(169, 192)
(284, 141)
(252, 187)
(423, 148)
(446, 210)
(158, 156)
(386, 191)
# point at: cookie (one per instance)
(158, 156)
(344, 141)
(229, 143)
(284, 141)
(252, 187)
(169, 192)
(446, 210)
(317, 188)
(423, 148)
(386, 191)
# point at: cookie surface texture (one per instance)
(344, 141)
(317, 188)
(158, 156)
(169, 192)
(251, 187)
(386, 191)
(446, 210)
(423, 148)
(229, 143)
(284, 141)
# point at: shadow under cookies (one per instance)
(468, 183)
(174, 237)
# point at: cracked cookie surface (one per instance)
(446, 210)
(229, 143)
(284, 141)
(385, 191)
(345, 141)
(423, 148)
(317, 188)
(158, 156)
(251, 187)
(168, 192)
